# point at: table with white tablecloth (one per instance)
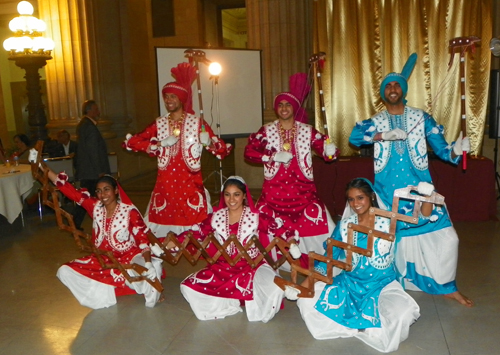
(15, 182)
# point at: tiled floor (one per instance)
(40, 316)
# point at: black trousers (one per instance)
(80, 212)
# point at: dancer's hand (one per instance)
(125, 142)
(157, 250)
(205, 138)
(294, 251)
(169, 141)
(330, 149)
(461, 145)
(425, 188)
(283, 157)
(33, 156)
(291, 293)
(394, 135)
(151, 272)
(153, 146)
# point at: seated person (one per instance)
(118, 227)
(65, 147)
(21, 152)
(218, 290)
(368, 302)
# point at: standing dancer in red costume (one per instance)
(177, 139)
(284, 147)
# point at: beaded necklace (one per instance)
(231, 249)
(109, 224)
(175, 125)
(287, 137)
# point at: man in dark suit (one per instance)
(92, 154)
(65, 146)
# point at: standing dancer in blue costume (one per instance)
(427, 254)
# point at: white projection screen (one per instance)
(239, 88)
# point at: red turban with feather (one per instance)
(184, 74)
(299, 88)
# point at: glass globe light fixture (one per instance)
(49, 44)
(25, 44)
(16, 24)
(28, 29)
(9, 44)
(38, 44)
(25, 8)
(32, 24)
(214, 68)
(41, 26)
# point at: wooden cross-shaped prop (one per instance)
(277, 252)
(312, 276)
(194, 250)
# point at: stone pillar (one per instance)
(72, 75)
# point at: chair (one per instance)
(58, 165)
(62, 164)
(113, 165)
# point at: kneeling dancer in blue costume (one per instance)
(367, 302)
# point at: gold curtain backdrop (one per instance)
(364, 40)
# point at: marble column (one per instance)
(72, 76)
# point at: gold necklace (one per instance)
(176, 125)
(287, 139)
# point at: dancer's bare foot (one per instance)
(462, 299)
(162, 298)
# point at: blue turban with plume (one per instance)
(401, 78)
